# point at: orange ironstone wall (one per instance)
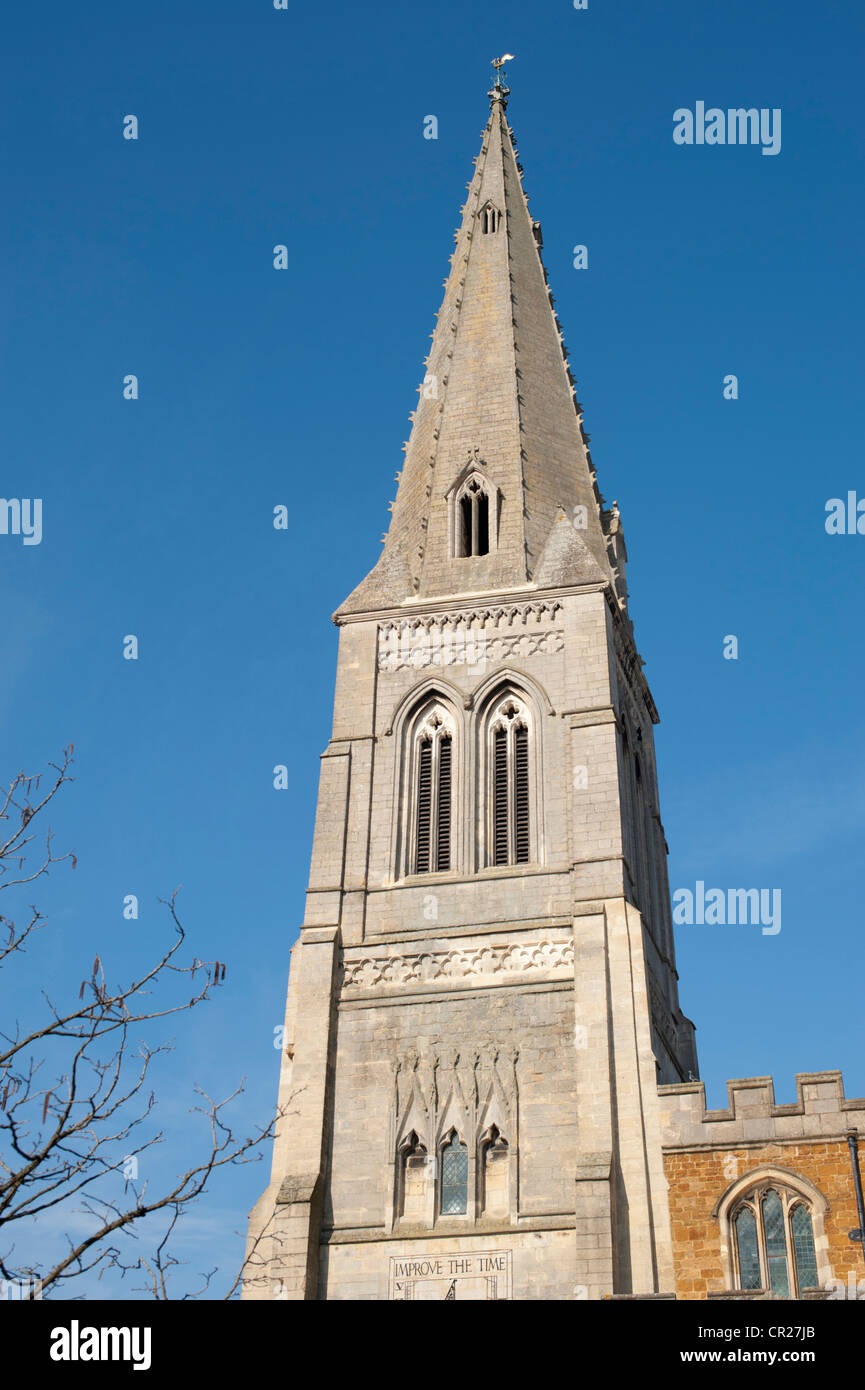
(699, 1177)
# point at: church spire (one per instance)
(498, 491)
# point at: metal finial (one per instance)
(500, 76)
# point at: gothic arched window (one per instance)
(509, 817)
(495, 1156)
(433, 768)
(474, 506)
(490, 218)
(454, 1176)
(413, 1178)
(773, 1241)
(473, 516)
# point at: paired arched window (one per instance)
(468, 788)
(773, 1241)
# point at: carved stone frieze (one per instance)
(470, 638)
(459, 963)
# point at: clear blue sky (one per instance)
(259, 387)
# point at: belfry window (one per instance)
(474, 519)
(432, 848)
(509, 789)
(455, 1177)
(490, 218)
(774, 1241)
(474, 509)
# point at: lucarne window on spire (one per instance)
(473, 516)
(490, 216)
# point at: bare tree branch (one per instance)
(74, 1127)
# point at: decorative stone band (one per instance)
(470, 638)
(459, 964)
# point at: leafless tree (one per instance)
(76, 1110)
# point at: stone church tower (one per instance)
(483, 999)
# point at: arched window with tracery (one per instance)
(433, 793)
(473, 516)
(474, 510)
(490, 216)
(454, 1176)
(509, 825)
(773, 1240)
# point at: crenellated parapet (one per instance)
(752, 1115)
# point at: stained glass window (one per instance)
(803, 1242)
(774, 1241)
(455, 1177)
(746, 1243)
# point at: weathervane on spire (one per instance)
(501, 76)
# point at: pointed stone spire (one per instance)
(497, 403)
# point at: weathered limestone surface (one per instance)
(532, 1007)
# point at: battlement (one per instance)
(820, 1110)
